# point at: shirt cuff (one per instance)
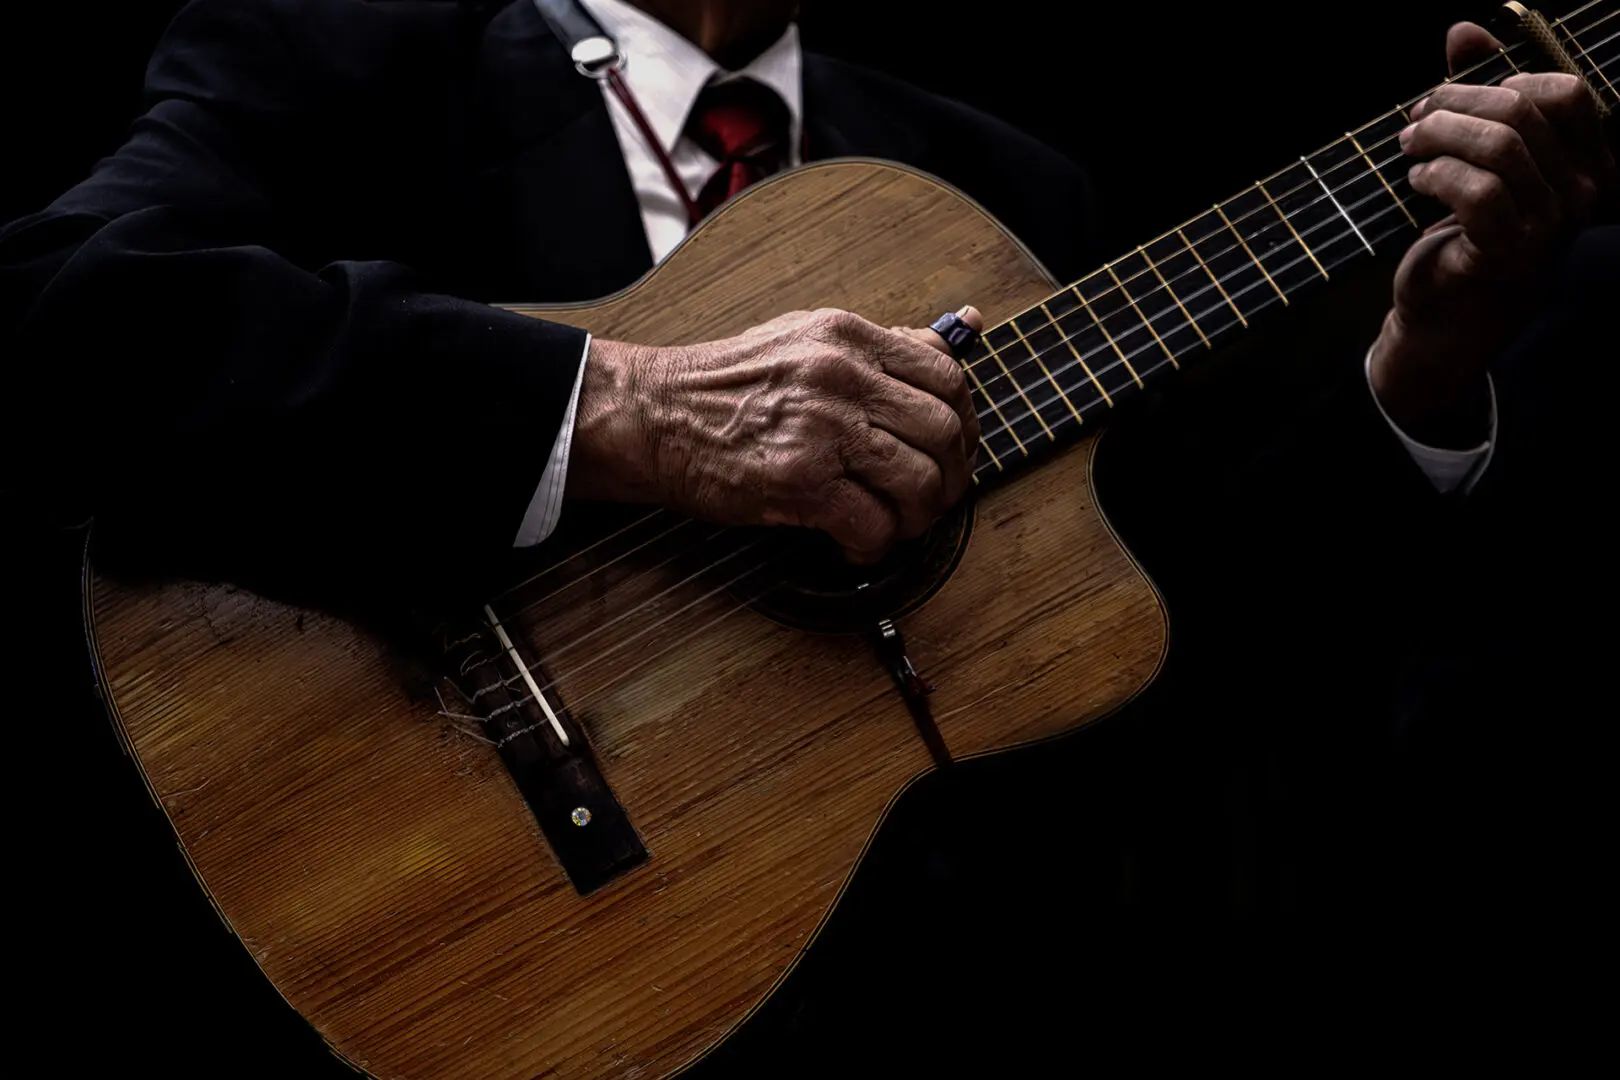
(545, 509)
(1447, 470)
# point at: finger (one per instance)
(1487, 144)
(925, 423)
(1506, 106)
(911, 480)
(958, 396)
(862, 523)
(1467, 44)
(1479, 198)
(1573, 114)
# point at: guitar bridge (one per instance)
(547, 755)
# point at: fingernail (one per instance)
(1406, 134)
(1419, 109)
(962, 311)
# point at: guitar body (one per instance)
(378, 861)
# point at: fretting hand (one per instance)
(818, 419)
(1521, 166)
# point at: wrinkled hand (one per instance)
(1521, 165)
(818, 419)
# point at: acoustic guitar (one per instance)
(612, 805)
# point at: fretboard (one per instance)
(1060, 368)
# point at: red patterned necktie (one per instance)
(743, 125)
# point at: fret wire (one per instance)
(1035, 356)
(984, 439)
(1215, 280)
(1004, 370)
(1398, 108)
(1262, 189)
(1380, 236)
(1125, 358)
(1334, 200)
(1145, 320)
(1069, 341)
(1398, 200)
(1076, 290)
(1509, 59)
(1363, 151)
(1249, 253)
(1190, 320)
(1190, 248)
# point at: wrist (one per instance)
(1433, 391)
(614, 449)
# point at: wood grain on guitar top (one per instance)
(379, 864)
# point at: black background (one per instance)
(1170, 107)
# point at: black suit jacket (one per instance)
(263, 313)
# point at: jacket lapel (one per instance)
(551, 193)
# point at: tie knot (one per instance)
(740, 120)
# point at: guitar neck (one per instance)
(1054, 370)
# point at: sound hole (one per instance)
(822, 591)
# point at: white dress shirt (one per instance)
(665, 74)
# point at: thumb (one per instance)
(968, 314)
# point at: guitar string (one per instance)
(560, 679)
(1315, 182)
(1106, 349)
(1597, 65)
(1055, 323)
(1164, 289)
(1193, 297)
(573, 673)
(1312, 183)
(1122, 359)
(576, 672)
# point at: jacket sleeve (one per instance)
(191, 385)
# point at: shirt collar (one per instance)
(666, 72)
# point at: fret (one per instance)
(1244, 244)
(1040, 359)
(1000, 380)
(1400, 202)
(1158, 272)
(1104, 305)
(1288, 261)
(1116, 373)
(1174, 332)
(1355, 195)
(1298, 239)
(1214, 280)
(1325, 235)
(1145, 321)
(1509, 59)
(991, 434)
(1076, 373)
